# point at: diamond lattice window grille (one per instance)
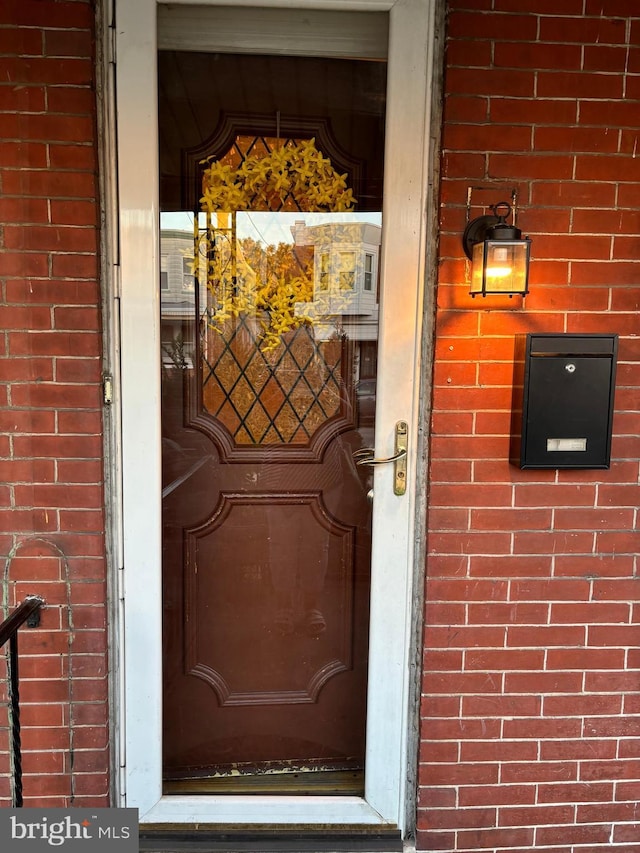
(276, 397)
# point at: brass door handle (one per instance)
(366, 456)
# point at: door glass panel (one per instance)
(271, 180)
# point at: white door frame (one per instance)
(407, 170)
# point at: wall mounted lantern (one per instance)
(499, 255)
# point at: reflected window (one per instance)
(187, 274)
(323, 279)
(347, 271)
(368, 272)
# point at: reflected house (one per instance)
(177, 297)
(346, 293)
(346, 261)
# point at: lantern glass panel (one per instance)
(477, 267)
(506, 266)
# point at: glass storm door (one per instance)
(270, 199)
(272, 189)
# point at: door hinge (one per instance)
(111, 45)
(107, 389)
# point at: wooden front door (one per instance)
(269, 246)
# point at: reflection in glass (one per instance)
(313, 272)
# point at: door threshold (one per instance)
(336, 782)
(277, 840)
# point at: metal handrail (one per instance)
(29, 612)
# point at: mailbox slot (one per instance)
(563, 401)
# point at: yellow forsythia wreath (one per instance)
(263, 182)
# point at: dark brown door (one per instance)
(269, 312)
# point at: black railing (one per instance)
(29, 612)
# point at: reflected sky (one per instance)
(267, 227)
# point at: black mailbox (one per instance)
(563, 401)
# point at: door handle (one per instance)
(366, 456)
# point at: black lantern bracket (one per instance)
(478, 229)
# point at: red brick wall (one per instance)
(51, 493)
(531, 711)
(531, 718)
